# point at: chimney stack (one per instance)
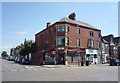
(48, 24)
(72, 16)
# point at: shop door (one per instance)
(61, 59)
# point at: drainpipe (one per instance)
(65, 56)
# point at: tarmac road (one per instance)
(16, 72)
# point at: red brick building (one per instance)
(68, 41)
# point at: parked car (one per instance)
(25, 61)
(12, 58)
(19, 59)
(8, 57)
(16, 59)
(114, 62)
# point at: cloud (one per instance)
(22, 33)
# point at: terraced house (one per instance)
(68, 41)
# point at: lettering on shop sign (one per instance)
(89, 51)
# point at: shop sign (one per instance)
(53, 52)
(90, 51)
(62, 48)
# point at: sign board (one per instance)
(90, 51)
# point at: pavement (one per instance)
(65, 66)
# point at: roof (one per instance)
(76, 22)
(105, 41)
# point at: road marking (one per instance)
(29, 69)
(21, 70)
(26, 66)
(13, 70)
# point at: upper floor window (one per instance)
(78, 30)
(103, 47)
(67, 40)
(90, 43)
(99, 35)
(60, 41)
(107, 48)
(78, 42)
(99, 45)
(60, 28)
(67, 28)
(50, 31)
(91, 33)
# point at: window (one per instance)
(67, 28)
(103, 47)
(91, 33)
(60, 28)
(50, 31)
(99, 35)
(90, 43)
(78, 30)
(99, 45)
(67, 40)
(78, 42)
(60, 41)
(107, 48)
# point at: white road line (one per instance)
(21, 70)
(26, 66)
(28, 69)
(13, 70)
(35, 69)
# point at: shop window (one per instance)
(72, 58)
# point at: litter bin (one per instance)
(82, 63)
(87, 63)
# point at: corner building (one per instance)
(68, 42)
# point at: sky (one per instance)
(22, 20)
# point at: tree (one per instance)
(29, 47)
(4, 54)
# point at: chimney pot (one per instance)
(72, 16)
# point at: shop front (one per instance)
(105, 58)
(92, 56)
(76, 56)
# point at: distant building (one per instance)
(114, 43)
(105, 51)
(68, 41)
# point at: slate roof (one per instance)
(76, 22)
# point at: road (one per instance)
(16, 72)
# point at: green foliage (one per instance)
(29, 47)
(4, 54)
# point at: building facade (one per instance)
(105, 51)
(68, 41)
(114, 43)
